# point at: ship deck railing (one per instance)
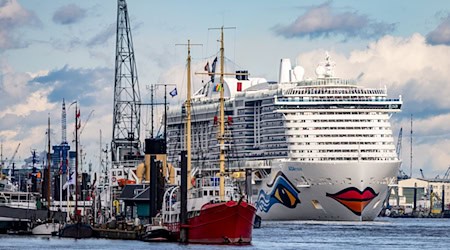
(16, 196)
(128, 163)
(327, 81)
(318, 100)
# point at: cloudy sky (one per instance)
(50, 50)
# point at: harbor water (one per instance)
(383, 233)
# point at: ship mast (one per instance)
(222, 122)
(188, 116)
(221, 135)
(48, 170)
(77, 116)
(188, 113)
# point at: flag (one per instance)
(217, 88)
(239, 86)
(71, 181)
(79, 120)
(213, 69)
(207, 67)
(173, 93)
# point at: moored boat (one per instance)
(76, 230)
(48, 228)
(217, 212)
(210, 221)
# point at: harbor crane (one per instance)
(127, 112)
(447, 173)
(398, 150)
(421, 173)
(13, 156)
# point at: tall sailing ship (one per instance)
(217, 212)
(319, 149)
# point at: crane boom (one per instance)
(447, 173)
(399, 143)
(13, 156)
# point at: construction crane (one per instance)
(421, 173)
(446, 173)
(13, 156)
(401, 174)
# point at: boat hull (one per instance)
(46, 229)
(228, 222)
(77, 231)
(346, 191)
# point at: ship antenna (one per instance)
(329, 65)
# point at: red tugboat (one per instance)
(216, 210)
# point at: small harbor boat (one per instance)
(48, 228)
(76, 230)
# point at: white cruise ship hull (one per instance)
(349, 191)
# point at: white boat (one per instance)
(17, 209)
(320, 149)
(49, 228)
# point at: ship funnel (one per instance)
(285, 71)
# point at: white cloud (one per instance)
(440, 35)
(324, 21)
(37, 101)
(13, 16)
(13, 84)
(69, 14)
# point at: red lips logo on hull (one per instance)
(354, 199)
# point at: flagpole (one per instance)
(60, 190)
(165, 114)
(76, 161)
(48, 170)
(68, 197)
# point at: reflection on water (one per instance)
(384, 233)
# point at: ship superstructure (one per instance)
(320, 148)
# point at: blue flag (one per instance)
(173, 92)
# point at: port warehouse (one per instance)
(403, 194)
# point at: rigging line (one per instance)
(233, 63)
(234, 149)
(207, 41)
(197, 135)
(234, 52)
(212, 56)
(177, 145)
(146, 120)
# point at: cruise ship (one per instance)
(319, 149)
